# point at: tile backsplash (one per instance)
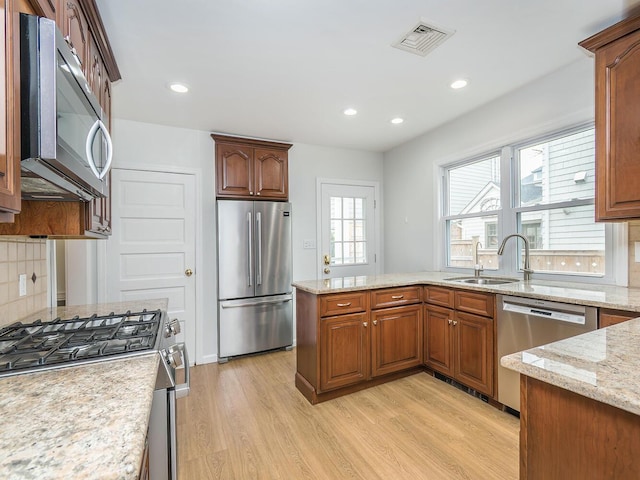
(22, 255)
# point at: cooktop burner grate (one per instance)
(47, 344)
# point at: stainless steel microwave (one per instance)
(66, 149)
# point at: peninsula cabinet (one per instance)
(248, 168)
(617, 63)
(458, 336)
(396, 330)
(351, 340)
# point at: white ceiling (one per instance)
(286, 69)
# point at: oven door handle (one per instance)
(183, 389)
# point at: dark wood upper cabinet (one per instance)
(617, 66)
(10, 116)
(75, 29)
(251, 169)
(80, 22)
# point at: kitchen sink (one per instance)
(483, 280)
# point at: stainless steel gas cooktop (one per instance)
(42, 345)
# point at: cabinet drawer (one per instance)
(439, 296)
(473, 302)
(341, 303)
(392, 297)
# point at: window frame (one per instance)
(508, 217)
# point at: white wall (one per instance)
(411, 183)
(148, 146)
(306, 164)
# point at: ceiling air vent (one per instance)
(423, 38)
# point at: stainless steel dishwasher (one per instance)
(524, 323)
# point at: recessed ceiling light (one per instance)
(350, 111)
(397, 120)
(179, 88)
(459, 84)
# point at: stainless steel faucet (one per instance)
(477, 268)
(527, 266)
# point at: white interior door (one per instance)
(152, 251)
(348, 230)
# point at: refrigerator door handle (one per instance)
(249, 248)
(259, 249)
(258, 301)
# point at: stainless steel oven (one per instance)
(162, 435)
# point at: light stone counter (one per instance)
(577, 293)
(601, 365)
(87, 421)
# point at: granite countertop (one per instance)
(84, 421)
(601, 365)
(577, 293)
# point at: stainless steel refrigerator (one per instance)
(255, 301)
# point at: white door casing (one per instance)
(352, 244)
(154, 243)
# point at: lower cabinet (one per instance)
(607, 317)
(459, 344)
(344, 350)
(396, 339)
(350, 340)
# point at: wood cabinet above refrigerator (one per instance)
(251, 169)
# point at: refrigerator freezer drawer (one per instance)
(254, 325)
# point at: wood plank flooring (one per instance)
(245, 420)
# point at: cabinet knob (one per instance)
(455, 323)
(375, 322)
(257, 193)
(365, 324)
(250, 193)
(450, 321)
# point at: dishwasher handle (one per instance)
(551, 314)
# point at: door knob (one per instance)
(327, 270)
(188, 272)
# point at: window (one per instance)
(549, 198)
(347, 242)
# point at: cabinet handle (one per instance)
(397, 297)
(348, 304)
(365, 324)
(375, 322)
(455, 323)
(450, 321)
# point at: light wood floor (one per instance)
(245, 420)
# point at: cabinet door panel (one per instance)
(396, 339)
(76, 31)
(344, 344)
(473, 347)
(233, 170)
(271, 173)
(437, 338)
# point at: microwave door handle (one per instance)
(98, 125)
